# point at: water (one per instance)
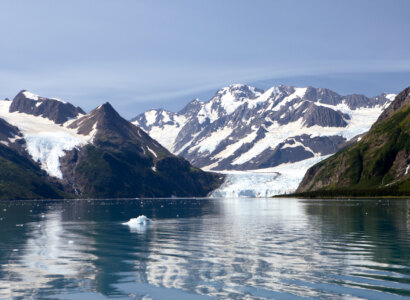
(205, 248)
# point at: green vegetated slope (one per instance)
(20, 178)
(377, 165)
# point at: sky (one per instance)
(140, 54)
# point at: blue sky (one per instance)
(149, 54)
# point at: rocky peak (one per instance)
(401, 100)
(50, 108)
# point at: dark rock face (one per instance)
(324, 117)
(378, 163)
(239, 117)
(52, 109)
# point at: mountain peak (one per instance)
(105, 112)
(51, 108)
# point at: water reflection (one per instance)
(223, 248)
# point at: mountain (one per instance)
(123, 160)
(245, 128)
(95, 155)
(378, 164)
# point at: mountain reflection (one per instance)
(224, 248)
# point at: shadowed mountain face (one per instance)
(243, 128)
(379, 163)
(53, 109)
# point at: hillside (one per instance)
(378, 164)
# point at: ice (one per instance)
(46, 141)
(137, 222)
(48, 147)
(264, 182)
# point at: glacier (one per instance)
(48, 147)
(282, 179)
(46, 141)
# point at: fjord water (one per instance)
(205, 248)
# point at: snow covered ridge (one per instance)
(245, 128)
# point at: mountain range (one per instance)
(53, 149)
(50, 148)
(246, 128)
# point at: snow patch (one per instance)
(211, 142)
(150, 116)
(31, 96)
(298, 144)
(59, 100)
(167, 134)
(298, 93)
(391, 96)
(152, 151)
(407, 170)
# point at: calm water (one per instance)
(200, 249)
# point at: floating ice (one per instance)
(137, 222)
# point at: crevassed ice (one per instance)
(48, 147)
(269, 182)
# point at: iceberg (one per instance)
(137, 222)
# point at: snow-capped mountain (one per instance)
(245, 128)
(99, 154)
